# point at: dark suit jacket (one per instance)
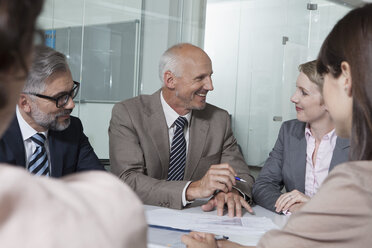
(139, 149)
(70, 150)
(286, 165)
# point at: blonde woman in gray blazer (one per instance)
(302, 155)
(286, 165)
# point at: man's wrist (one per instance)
(192, 191)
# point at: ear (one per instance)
(168, 79)
(346, 73)
(24, 103)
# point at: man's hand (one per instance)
(233, 200)
(219, 177)
(286, 200)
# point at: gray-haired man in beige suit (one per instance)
(172, 147)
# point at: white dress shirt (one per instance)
(170, 117)
(27, 132)
(315, 174)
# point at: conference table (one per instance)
(158, 238)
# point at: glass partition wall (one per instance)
(113, 48)
(256, 47)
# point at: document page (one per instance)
(248, 226)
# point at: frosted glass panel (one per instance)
(256, 47)
(100, 40)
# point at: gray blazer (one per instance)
(286, 165)
(139, 149)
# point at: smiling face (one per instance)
(189, 90)
(308, 101)
(43, 113)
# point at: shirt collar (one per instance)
(328, 136)
(171, 115)
(26, 130)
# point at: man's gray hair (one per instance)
(169, 61)
(46, 61)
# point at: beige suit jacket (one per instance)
(338, 216)
(82, 210)
(139, 149)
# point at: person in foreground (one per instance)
(305, 151)
(81, 210)
(43, 137)
(340, 214)
(172, 147)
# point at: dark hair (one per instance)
(17, 26)
(351, 41)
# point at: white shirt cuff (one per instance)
(184, 201)
(286, 212)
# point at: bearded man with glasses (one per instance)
(43, 137)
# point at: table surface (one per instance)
(279, 220)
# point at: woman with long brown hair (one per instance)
(83, 210)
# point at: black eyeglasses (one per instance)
(63, 98)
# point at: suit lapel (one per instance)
(197, 138)
(56, 155)
(339, 153)
(298, 156)
(158, 131)
(13, 137)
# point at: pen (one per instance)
(220, 237)
(240, 179)
(170, 228)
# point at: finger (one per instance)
(224, 175)
(224, 169)
(246, 205)
(230, 205)
(209, 206)
(288, 205)
(218, 186)
(238, 206)
(225, 180)
(291, 202)
(220, 202)
(209, 238)
(197, 235)
(282, 203)
(189, 241)
(280, 199)
(284, 199)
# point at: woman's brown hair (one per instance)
(17, 24)
(351, 41)
(17, 27)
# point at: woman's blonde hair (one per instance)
(309, 69)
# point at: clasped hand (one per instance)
(291, 201)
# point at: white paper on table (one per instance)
(224, 225)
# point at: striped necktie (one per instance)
(39, 164)
(177, 159)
